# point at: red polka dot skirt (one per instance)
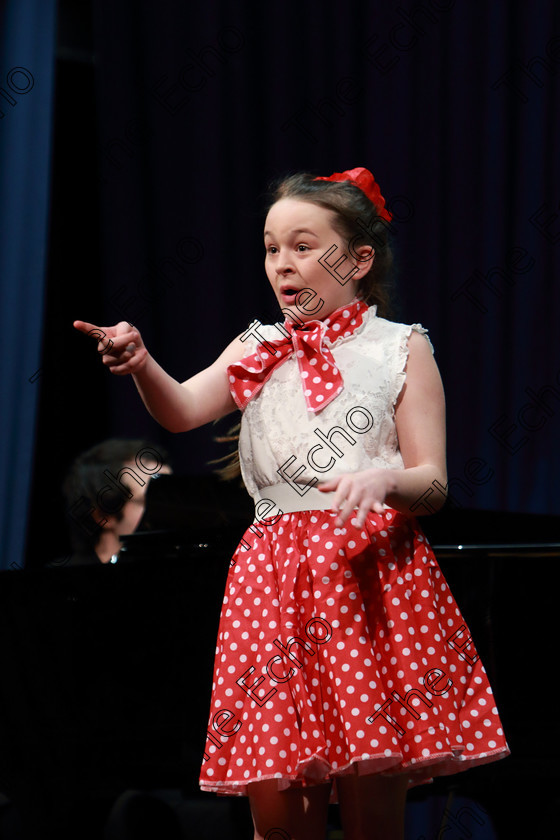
(342, 650)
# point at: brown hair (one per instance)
(356, 220)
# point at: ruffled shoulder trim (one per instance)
(400, 358)
(423, 331)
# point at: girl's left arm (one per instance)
(420, 422)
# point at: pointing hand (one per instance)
(120, 346)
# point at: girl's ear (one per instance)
(363, 257)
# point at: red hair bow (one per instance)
(365, 181)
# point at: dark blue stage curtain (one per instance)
(453, 104)
(27, 50)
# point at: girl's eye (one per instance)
(272, 249)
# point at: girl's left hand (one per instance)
(366, 490)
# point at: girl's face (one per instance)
(299, 239)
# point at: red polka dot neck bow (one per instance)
(321, 379)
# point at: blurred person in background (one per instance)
(105, 492)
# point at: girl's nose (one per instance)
(285, 264)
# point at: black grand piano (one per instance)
(106, 669)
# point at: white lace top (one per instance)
(354, 432)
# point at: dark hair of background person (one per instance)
(86, 478)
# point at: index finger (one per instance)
(84, 327)
(96, 332)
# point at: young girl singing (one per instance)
(343, 666)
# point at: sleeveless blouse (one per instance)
(354, 432)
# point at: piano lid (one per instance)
(482, 530)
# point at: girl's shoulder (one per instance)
(376, 331)
(384, 330)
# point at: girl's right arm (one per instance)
(177, 406)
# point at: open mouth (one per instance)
(289, 294)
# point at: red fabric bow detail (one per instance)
(363, 179)
(320, 377)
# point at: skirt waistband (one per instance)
(290, 500)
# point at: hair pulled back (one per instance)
(355, 219)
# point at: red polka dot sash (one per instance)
(321, 379)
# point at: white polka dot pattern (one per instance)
(342, 649)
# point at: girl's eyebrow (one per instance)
(297, 230)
